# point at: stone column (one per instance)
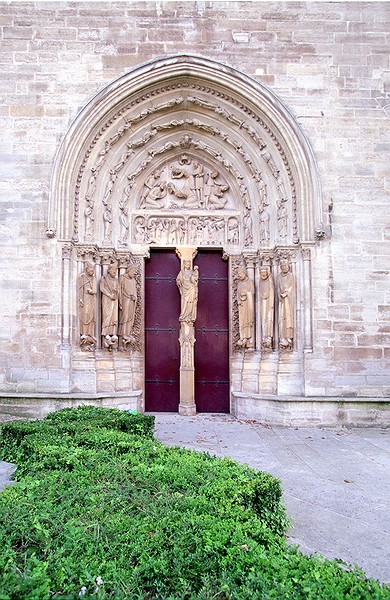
(307, 304)
(187, 281)
(66, 313)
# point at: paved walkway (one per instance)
(336, 481)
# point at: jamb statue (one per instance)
(267, 305)
(109, 289)
(127, 305)
(87, 307)
(245, 301)
(286, 290)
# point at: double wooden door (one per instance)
(162, 329)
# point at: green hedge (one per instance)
(105, 511)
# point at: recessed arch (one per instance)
(226, 115)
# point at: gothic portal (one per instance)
(186, 202)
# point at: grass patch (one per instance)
(103, 510)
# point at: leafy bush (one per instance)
(104, 512)
(70, 421)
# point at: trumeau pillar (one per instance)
(187, 281)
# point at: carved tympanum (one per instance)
(188, 181)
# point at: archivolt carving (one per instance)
(186, 141)
(186, 162)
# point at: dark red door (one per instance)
(162, 352)
(212, 334)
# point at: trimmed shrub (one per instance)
(102, 513)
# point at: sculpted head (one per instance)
(89, 269)
(112, 270)
(284, 265)
(264, 273)
(131, 270)
(242, 274)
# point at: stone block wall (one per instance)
(328, 62)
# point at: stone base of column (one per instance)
(187, 405)
(187, 411)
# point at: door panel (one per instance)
(162, 351)
(212, 334)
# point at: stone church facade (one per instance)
(195, 208)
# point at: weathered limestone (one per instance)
(187, 151)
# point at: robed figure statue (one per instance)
(187, 282)
(246, 313)
(286, 295)
(87, 290)
(109, 288)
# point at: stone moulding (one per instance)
(226, 91)
(184, 150)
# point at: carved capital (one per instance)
(186, 252)
(67, 251)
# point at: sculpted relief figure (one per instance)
(188, 191)
(156, 196)
(267, 295)
(246, 315)
(150, 183)
(107, 223)
(286, 297)
(187, 282)
(264, 225)
(87, 307)
(282, 219)
(109, 287)
(127, 304)
(214, 191)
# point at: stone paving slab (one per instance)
(336, 481)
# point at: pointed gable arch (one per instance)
(160, 115)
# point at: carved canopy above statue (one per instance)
(185, 150)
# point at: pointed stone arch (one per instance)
(185, 151)
(175, 104)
